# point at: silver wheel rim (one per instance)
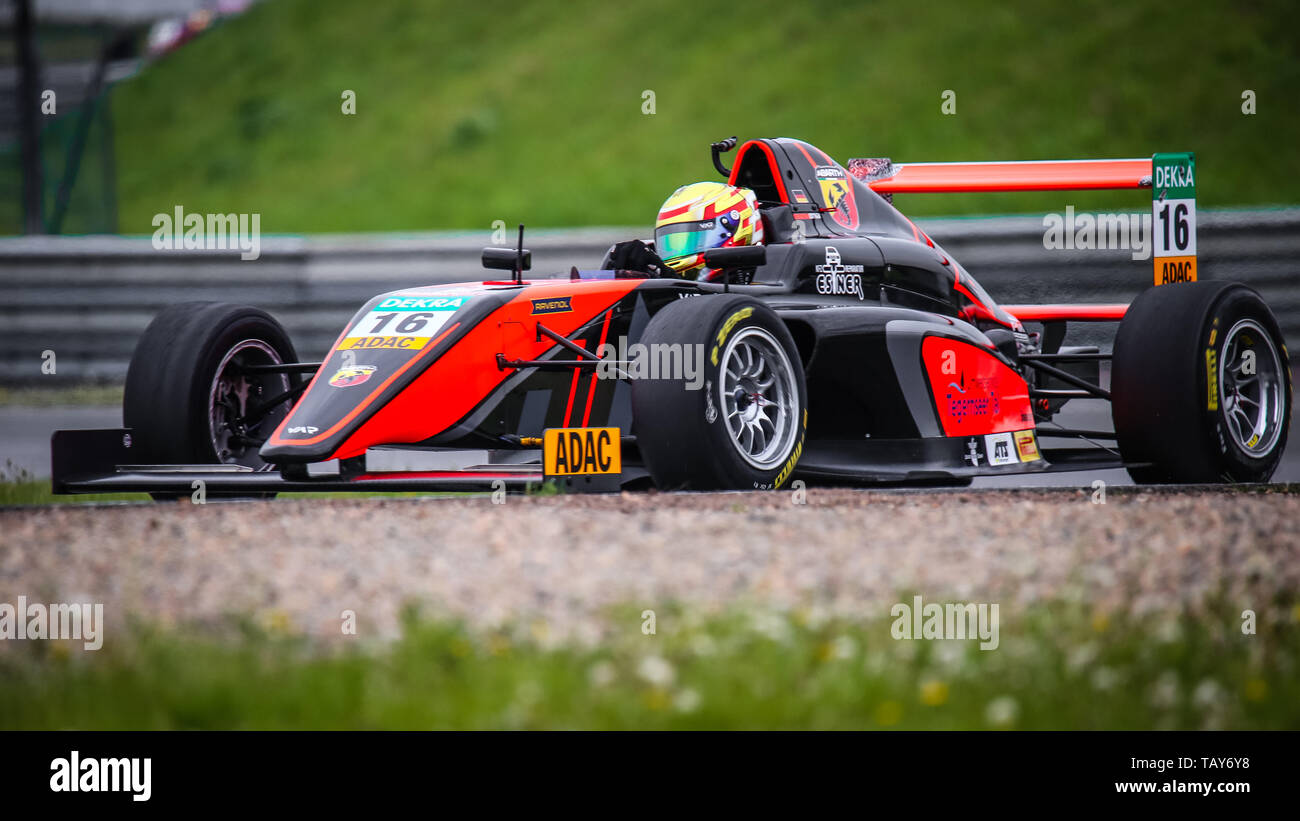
(234, 393)
(759, 398)
(1253, 403)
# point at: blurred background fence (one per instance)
(89, 298)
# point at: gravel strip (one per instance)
(564, 561)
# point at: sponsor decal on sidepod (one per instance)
(1026, 445)
(553, 305)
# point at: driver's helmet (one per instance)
(701, 216)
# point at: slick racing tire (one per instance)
(741, 423)
(187, 393)
(1200, 385)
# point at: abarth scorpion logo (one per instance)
(836, 278)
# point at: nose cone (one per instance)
(385, 346)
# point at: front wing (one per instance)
(101, 461)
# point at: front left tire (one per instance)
(741, 424)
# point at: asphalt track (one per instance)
(25, 437)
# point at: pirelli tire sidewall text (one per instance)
(1164, 384)
(679, 431)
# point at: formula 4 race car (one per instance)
(849, 348)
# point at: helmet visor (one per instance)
(683, 239)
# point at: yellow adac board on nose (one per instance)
(582, 451)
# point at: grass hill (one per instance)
(471, 112)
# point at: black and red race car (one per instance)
(850, 348)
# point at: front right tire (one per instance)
(189, 398)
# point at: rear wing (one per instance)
(1171, 178)
(1038, 175)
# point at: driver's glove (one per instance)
(636, 255)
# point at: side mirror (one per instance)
(503, 259)
(744, 256)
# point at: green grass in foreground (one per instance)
(1058, 666)
(472, 112)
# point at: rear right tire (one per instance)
(1201, 385)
